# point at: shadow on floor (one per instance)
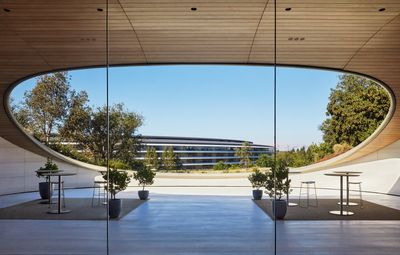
(369, 211)
(81, 209)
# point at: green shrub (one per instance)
(145, 176)
(280, 185)
(257, 179)
(264, 161)
(118, 164)
(220, 166)
(233, 167)
(71, 152)
(49, 165)
(117, 181)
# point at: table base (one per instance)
(57, 212)
(345, 213)
(350, 203)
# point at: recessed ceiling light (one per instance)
(296, 38)
(99, 9)
(288, 9)
(382, 9)
(6, 10)
(193, 9)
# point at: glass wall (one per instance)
(186, 214)
(161, 144)
(51, 203)
(331, 198)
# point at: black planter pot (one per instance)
(115, 208)
(143, 194)
(257, 194)
(279, 208)
(44, 190)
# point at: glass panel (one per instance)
(328, 132)
(195, 121)
(48, 160)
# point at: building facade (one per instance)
(201, 153)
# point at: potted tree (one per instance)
(257, 180)
(45, 189)
(117, 181)
(145, 176)
(278, 187)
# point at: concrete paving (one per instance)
(218, 223)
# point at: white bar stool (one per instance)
(308, 184)
(359, 191)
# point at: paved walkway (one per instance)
(179, 224)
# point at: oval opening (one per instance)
(203, 113)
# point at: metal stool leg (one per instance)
(51, 195)
(63, 193)
(104, 195)
(99, 195)
(316, 198)
(361, 200)
(93, 193)
(301, 186)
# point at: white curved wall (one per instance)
(17, 170)
(378, 176)
(390, 151)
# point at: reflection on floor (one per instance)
(182, 224)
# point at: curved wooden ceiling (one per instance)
(350, 35)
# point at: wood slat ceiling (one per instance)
(353, 35)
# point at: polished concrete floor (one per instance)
(196, 224)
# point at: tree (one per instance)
(151, 158)
(21, 115)
(318, 151)
(90, 131)
(341, 148)
(144, 176)
(243, 152)
(117, 180)
(278, 183)
(46, 105)
(258, 179)
(357, 106)
(264, 161)
(78, 117)
(170, 159)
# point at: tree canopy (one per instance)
(89, 129)
(47, 105)
(243, 152)
(151, 158)
(170, 160)
(53, 110)
(357, 106)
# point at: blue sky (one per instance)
(215, 101)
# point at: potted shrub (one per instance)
(257, 180)
(145, 176)
(117, 181)
(278, 187)
(45, 189)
